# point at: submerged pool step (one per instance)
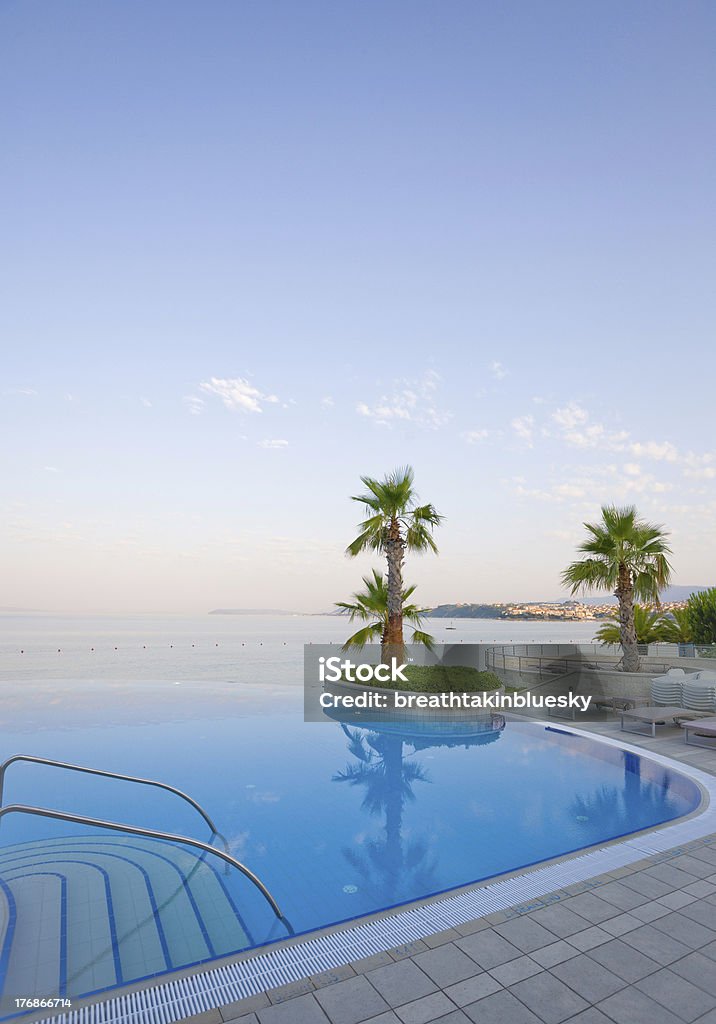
(83, 913)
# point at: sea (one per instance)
(243, 648)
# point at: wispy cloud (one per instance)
(699, 467)
(26, 392)
(410, 401)
(475, 436)
(523, 426)
(327, 402)
(661, 451)
(498, 371)
(592, 490)
(570, 416)
(574, 425)
(237, 393)
(145, 402)
(277, 442)
(194, 405)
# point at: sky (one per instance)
(254, 250)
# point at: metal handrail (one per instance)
(136, 830)
(109, 775)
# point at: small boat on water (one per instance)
(451, 626)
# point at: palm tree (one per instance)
(395, 523)
(627, 556)
(676, 627)
(648, 625)
(371, 606)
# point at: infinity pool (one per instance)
(337, 820)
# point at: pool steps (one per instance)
(87, 912)
(73, 933)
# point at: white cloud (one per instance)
(475, 436)
(27, 392)
(498, 371)
(411, 401)
(632, 469)
(327, 402)
(277, 442)
(699, 467)
(237, 393)
(570, 416)
(569, 491)
(661, 451)
(645, 483)
(51, 469)
(523, 427)
(146, 403)
(573, 422)
(195, 406)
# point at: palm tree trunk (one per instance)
(394, 644)
(627, 630)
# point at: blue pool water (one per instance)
(337, 820)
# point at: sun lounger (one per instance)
(654, 716)
(619, 702)
(667, 688)
(701, 727)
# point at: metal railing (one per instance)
(107, 775)
(111, 775)
(135, 830)
(555, 665)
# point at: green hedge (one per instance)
(444, 678)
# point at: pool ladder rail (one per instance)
(135, 830)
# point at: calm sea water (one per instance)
(240, 648)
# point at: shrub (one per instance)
(444, 678)
(701, 611)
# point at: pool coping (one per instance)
(198, 989)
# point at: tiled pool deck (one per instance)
(635, 945)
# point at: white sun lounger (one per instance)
(654, 716)
(702, 727)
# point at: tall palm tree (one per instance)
(395, 524)
(371, 606)
(628, 557)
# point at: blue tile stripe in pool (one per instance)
(9, 932)
(174, 1000)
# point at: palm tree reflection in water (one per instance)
(393, 868)
(610, 812)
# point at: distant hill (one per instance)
(466, 611)
(499, 611)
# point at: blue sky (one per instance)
(254, 250)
